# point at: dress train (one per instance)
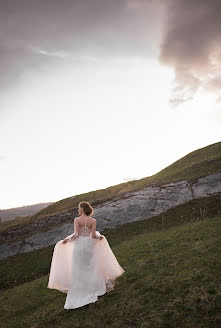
(83, 268)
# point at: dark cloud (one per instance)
(192, 45)
(36, 34)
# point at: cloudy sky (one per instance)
(94, 93)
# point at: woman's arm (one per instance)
(95, 234)
(75, 234)
(93, 230)
(76, 229)
(98, 235)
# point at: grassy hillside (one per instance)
(29, 267)
(171, 279)
(199, 163)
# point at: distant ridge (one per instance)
(12, 213)
(198, 163)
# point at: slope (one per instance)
(171, 279)
(198, 163)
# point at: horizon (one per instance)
(93, 190)
(96, 94)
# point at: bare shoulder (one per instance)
(94, 220)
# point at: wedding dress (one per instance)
(83, 268)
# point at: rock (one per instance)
(122, 208)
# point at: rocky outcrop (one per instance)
(123, 208)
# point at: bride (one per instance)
(83, 265)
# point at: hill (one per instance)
(16, 212)
(196, 164)
(29, 267)
(171, 279)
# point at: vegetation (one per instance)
(171, 279)
(34, 264)
(172, 263)
(198, 163)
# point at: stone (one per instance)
(122, 208)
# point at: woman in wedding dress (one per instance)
(83, 265)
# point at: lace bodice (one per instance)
(85, 231)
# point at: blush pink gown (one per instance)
(83, 268)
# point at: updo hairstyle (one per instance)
(88, 209)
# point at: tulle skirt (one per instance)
(83, 268)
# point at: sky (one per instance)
(95, 93)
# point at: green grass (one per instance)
(171, 279)
(34, 264)
(207, 161)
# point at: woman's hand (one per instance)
(64, 241)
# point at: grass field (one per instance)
(172, 279)
(172, 263)
(25, 267)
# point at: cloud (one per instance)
(137, 4)
(191, 44)
(34, 35)
(39, 50)
(130, 178)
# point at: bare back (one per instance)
(85, 226)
